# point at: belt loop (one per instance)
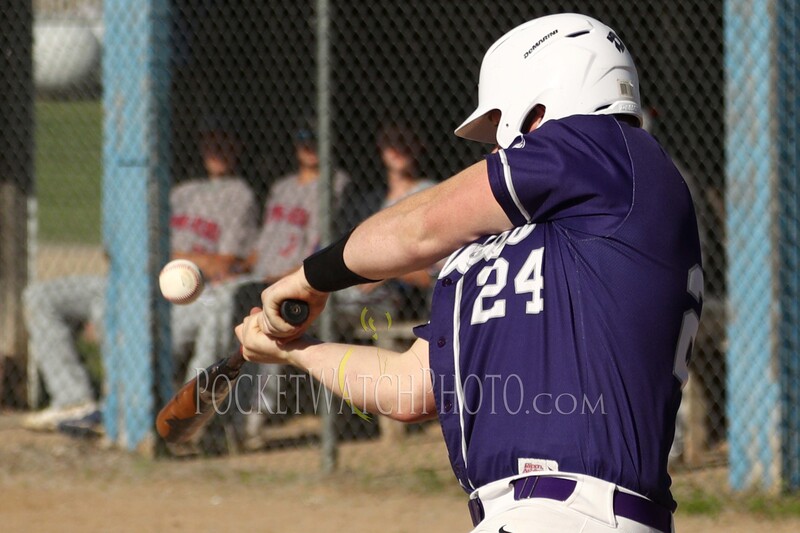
(476, 512)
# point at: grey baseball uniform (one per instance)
(291, 225)
(289, 233)
(204, 219)
(214, 217)
(53, 311)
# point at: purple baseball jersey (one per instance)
(562, 344)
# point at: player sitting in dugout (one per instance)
(290, 233)
(203, 229)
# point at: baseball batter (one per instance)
(562, 321)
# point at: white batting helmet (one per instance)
(569, 63)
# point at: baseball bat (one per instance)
(194, 404)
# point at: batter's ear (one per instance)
(628, 119)
(533, 119)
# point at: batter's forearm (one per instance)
(372, 379)
(393, 242)
(426, 227)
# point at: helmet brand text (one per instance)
(538, 43)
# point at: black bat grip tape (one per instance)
(295, 312)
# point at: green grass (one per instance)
(696, 500)
(700, 502)
(783, 506)
(428, 480)
(68, 167)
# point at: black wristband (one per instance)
(326, 271)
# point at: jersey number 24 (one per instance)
(528, 280)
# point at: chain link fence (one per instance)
(242, 101)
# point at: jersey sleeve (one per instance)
(423, 331)
(564, 173)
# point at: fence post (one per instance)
(763, 224)
(329, 449)
(16, 186)
(135, 210)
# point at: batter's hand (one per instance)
(295, 286)
(256, 346)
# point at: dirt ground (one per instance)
(54, 483)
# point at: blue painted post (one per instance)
(763, 224)
(135, 216)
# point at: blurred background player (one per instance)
(212, 224)
(405, 297)
(203, 228)
(575, 271)
(289, 233)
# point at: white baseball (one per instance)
(180, 281)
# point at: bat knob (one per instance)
(295, 312)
